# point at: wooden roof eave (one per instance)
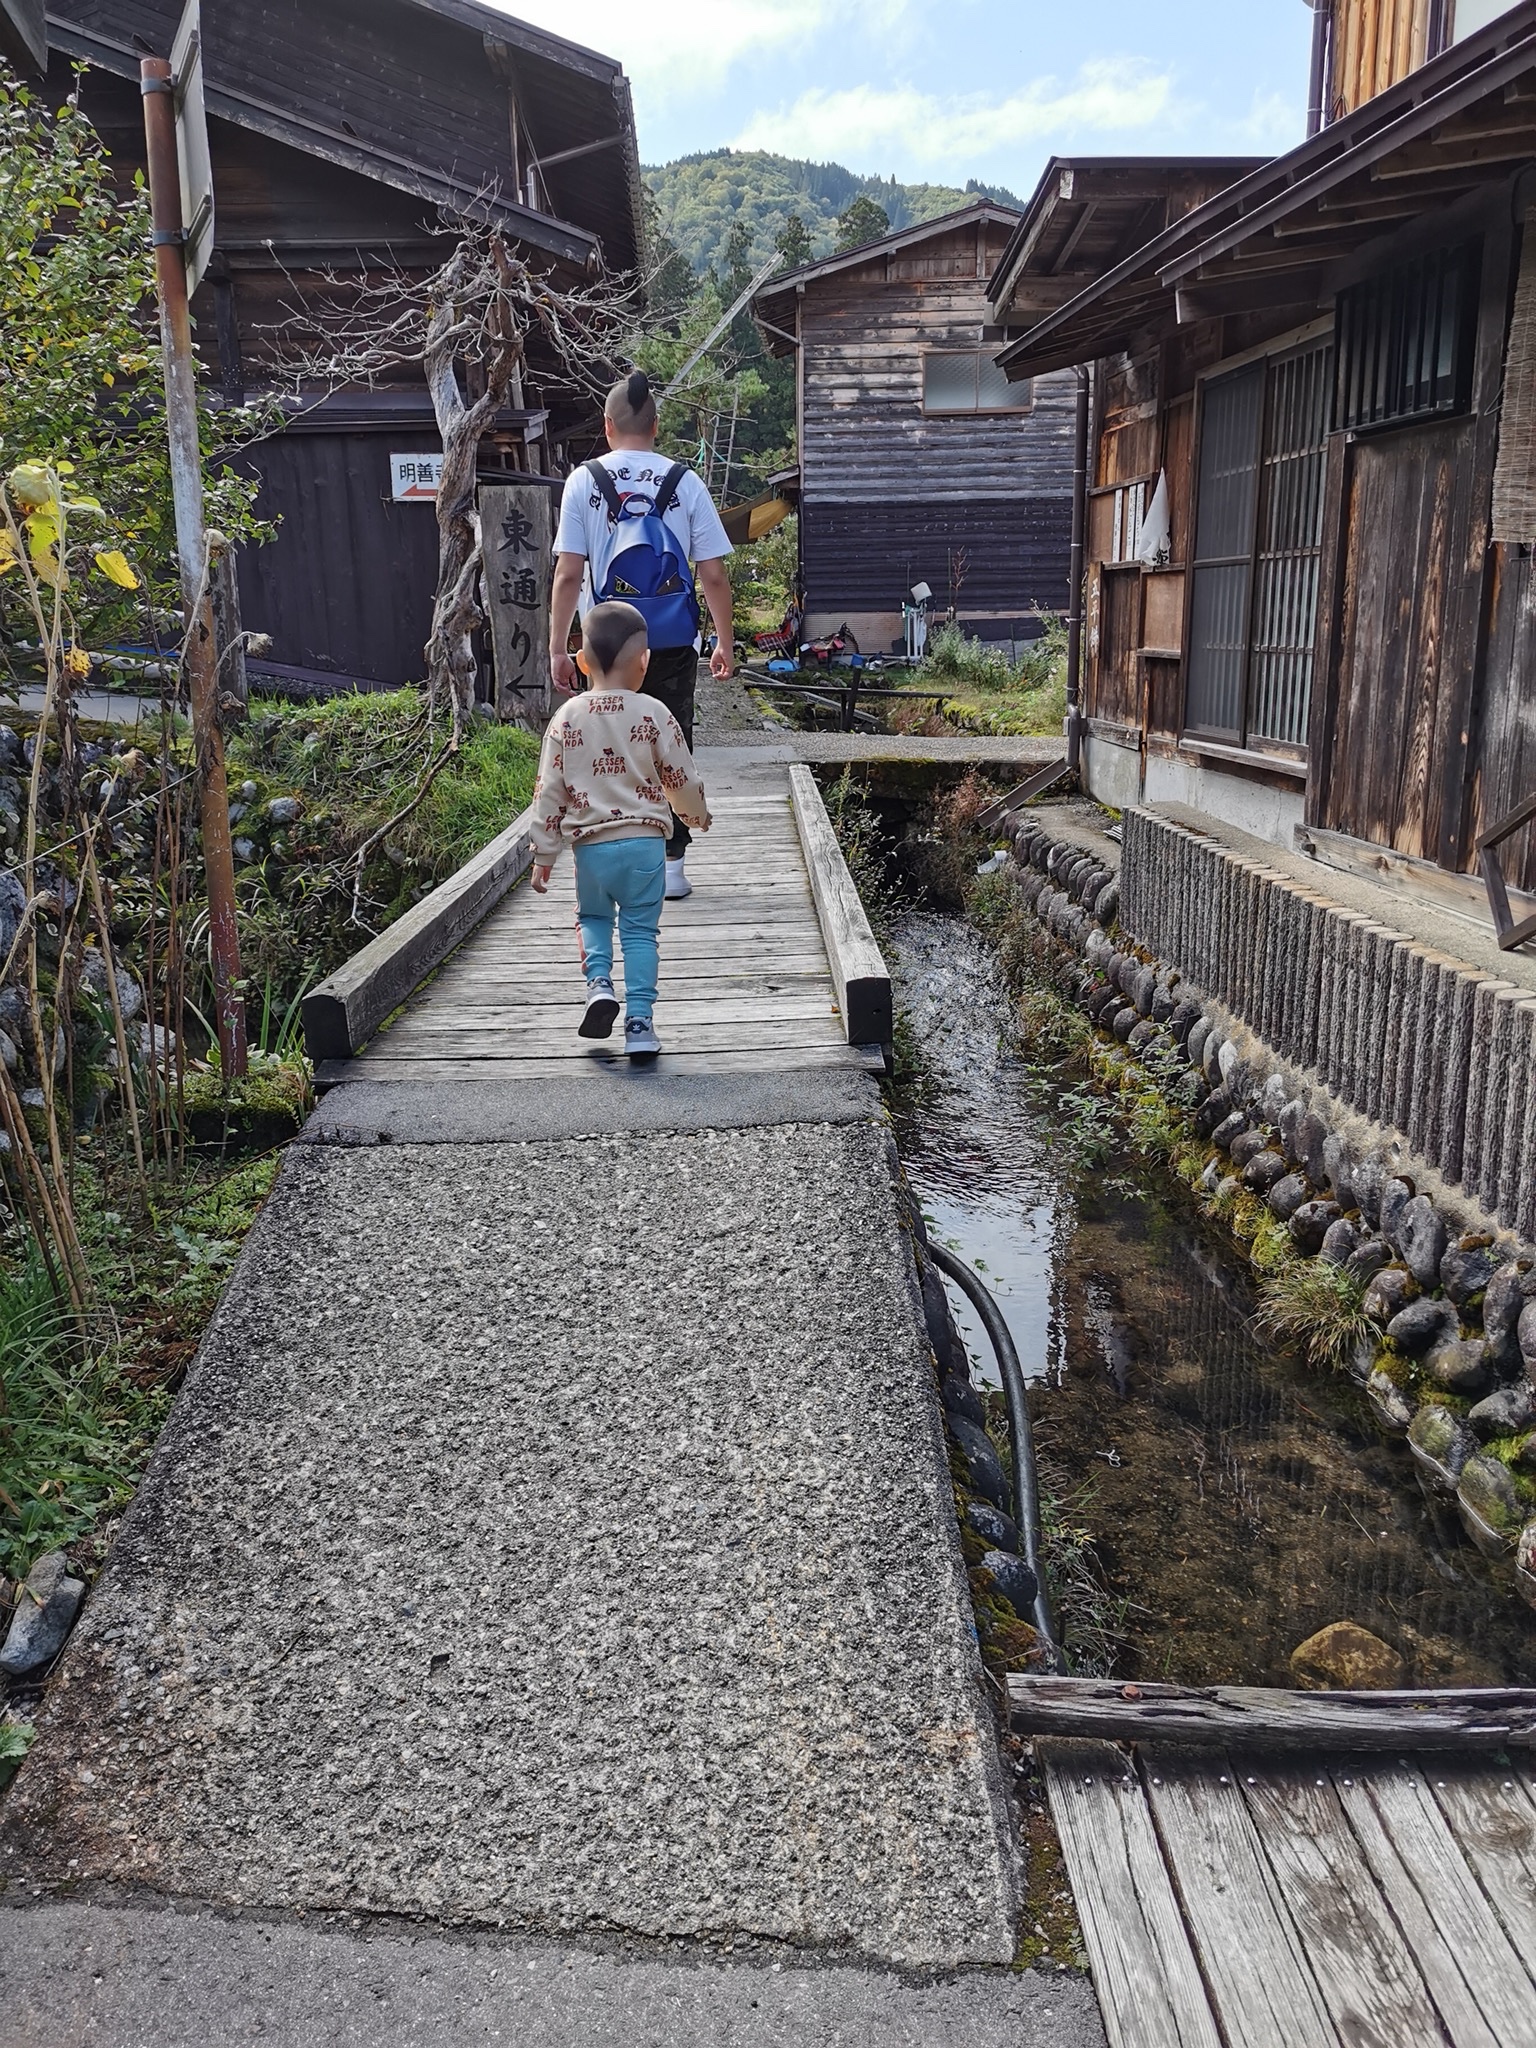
(1093, 322)
(791, 281)
(1370, 154)
(537, 230)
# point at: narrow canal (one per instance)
(1216, 1502)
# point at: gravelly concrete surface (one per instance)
(494, 1111)
(555, 1536)
(123, 1978)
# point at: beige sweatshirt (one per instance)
(614, 761)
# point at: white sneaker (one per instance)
(640, 1036)
(602, 1008)
(678, 884)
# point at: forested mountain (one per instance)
(701, 198)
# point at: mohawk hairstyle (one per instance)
(630, 407)
(607, 630)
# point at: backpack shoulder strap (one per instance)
(667, 493)
(608, 487)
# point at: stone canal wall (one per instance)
(1375, 1097)
(1406, 1036)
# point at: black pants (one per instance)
(672, 676)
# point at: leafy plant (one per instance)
(79, 355)
(16, 1739)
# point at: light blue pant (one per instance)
(626, 878)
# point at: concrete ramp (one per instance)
(552, 1536)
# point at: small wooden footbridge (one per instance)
(1252, 1869)
(1264, 1869)
(769, 964)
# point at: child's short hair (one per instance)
(607, 630)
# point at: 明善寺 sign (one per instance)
(415, 477)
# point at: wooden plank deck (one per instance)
(1314, 1902)
(745, 981)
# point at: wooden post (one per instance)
(201, 652)
(517, 537)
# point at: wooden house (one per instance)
(919, 461)
(341, 132)
(1364, 46)
(1331, 367)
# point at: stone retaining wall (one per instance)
(1301, 1016)
(1411, 1038)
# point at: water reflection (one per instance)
(1237, 1502)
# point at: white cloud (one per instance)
(953, 134)
(684, 47)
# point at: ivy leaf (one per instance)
(113, 564)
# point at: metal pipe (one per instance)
(1079, 536)
(1317, 96)
(1026, 1485)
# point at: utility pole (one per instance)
(201, 650)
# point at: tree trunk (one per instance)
(496, 339)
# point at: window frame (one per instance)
(1242, 743)
(977, 411)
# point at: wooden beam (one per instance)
(1465, 154)
(342, 1014)
(1080, 227)
(859, 973)
(1249, 1717)
(24, 34)
(1194, 303)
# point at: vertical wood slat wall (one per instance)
(1376, 43)
(1408, 1037)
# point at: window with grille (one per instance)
(972, 382)
(1258, 551)
(1405, 341)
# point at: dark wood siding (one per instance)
(864, 336)
(411, 84)
(867, 557)
(347, 585)
(1506, 750)
(1398, 702)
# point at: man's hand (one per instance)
(564, 672)
(540, 877)
(722, 663)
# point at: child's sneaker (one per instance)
(678, 884)
(602, 1008)
(640, 1036)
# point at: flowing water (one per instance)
(1236, 1501)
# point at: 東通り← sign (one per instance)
(415, 476)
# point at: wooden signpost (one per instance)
(181, 202)
(517, 527)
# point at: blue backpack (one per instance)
(647, 566)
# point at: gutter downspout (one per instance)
(1079, 534)
(1317, 95)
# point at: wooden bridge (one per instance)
(1261, 1869)
(769, 965)
(1251, 1870)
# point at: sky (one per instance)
(945, 90)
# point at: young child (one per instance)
(614, 769)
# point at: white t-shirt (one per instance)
(584, 528)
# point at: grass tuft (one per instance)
(1317, 1307)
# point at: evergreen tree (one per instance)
(794, 243)
(862, 220)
